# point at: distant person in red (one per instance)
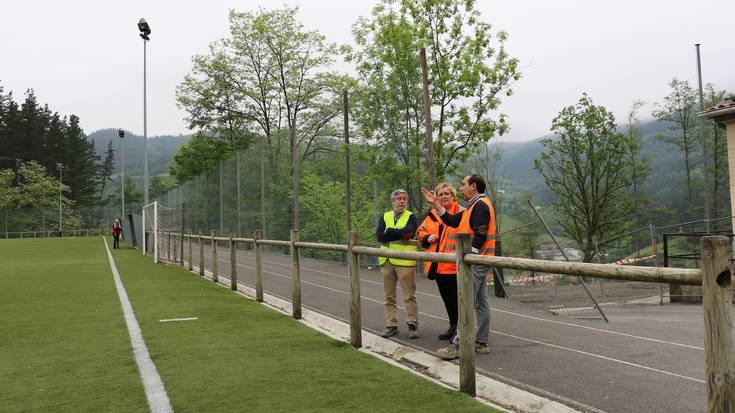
(116, 231)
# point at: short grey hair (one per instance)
(397, 192)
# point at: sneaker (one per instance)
(447, 335)
(482, 348)
(449, 352)
(413, 331)
(389, 331)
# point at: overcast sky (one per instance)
(85, 57)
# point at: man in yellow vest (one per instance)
(395, 231)
(477, 219)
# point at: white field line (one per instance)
(544, 320)
(530, 340)
(155, 392)
(168, 320)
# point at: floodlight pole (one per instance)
(59, 166)
(145, 31)
(704, 143)
(121, 134)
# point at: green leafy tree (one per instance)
(269, 76)
(640, 170)
(717, 148)
(105, 171)
(678, 110)
(469, 72)
(588, 168)
(197, 156)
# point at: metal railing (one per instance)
(714, 277)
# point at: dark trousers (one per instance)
(447, 284)
(116, 243)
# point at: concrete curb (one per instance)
(491, 392)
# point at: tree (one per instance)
(469, 71)
(639, 168)
(106, 168)
(717, 145)
(678, 109)
(31, 192)
(269, 75)
(587, 167)
(489, 164)
(197, 156)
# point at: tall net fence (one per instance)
(227, 199)
(47, 222)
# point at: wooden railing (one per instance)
(714, 277)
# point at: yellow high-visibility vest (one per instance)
(399, 245)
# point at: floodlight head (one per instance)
(59, 166)
(121, 133)
(144, 28)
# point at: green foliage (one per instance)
(678, 111)
(587, 168)
(31, 132)
(198, 155)
(469, 72)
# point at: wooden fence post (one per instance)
(191, 257)
(258, 268)
(718, 340)
(233, 265)
(295, 276)
(215, 275)
(168, 252)
(466, 292)
(201, 254)
(353, 266)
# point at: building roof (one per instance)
(716, 112)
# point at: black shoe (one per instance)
(447, 335)
(389, 331)
(413, 331)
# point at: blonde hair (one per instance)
(446, 185)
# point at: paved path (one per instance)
(647, 359)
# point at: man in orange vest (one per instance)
(478, 219)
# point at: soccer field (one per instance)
(65, 345)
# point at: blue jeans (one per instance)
(482, 304)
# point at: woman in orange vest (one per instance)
(434, 236)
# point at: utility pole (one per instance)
(427, 115)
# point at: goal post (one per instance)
(163, 227)
(150, 229)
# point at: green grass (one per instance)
(239, 355)
(63, 342)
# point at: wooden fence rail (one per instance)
(714, 277)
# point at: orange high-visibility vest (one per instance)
(445, 242)
(488, 247)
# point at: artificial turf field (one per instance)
(64, 345)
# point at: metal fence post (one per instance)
(466, 332)
(718, 341)
(168, 238)
(215, 275)
(353, 265)
(191, 258)
(295, 276)
(201, 254)
(233, 265)
(258, 267)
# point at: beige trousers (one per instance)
(407, 277)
